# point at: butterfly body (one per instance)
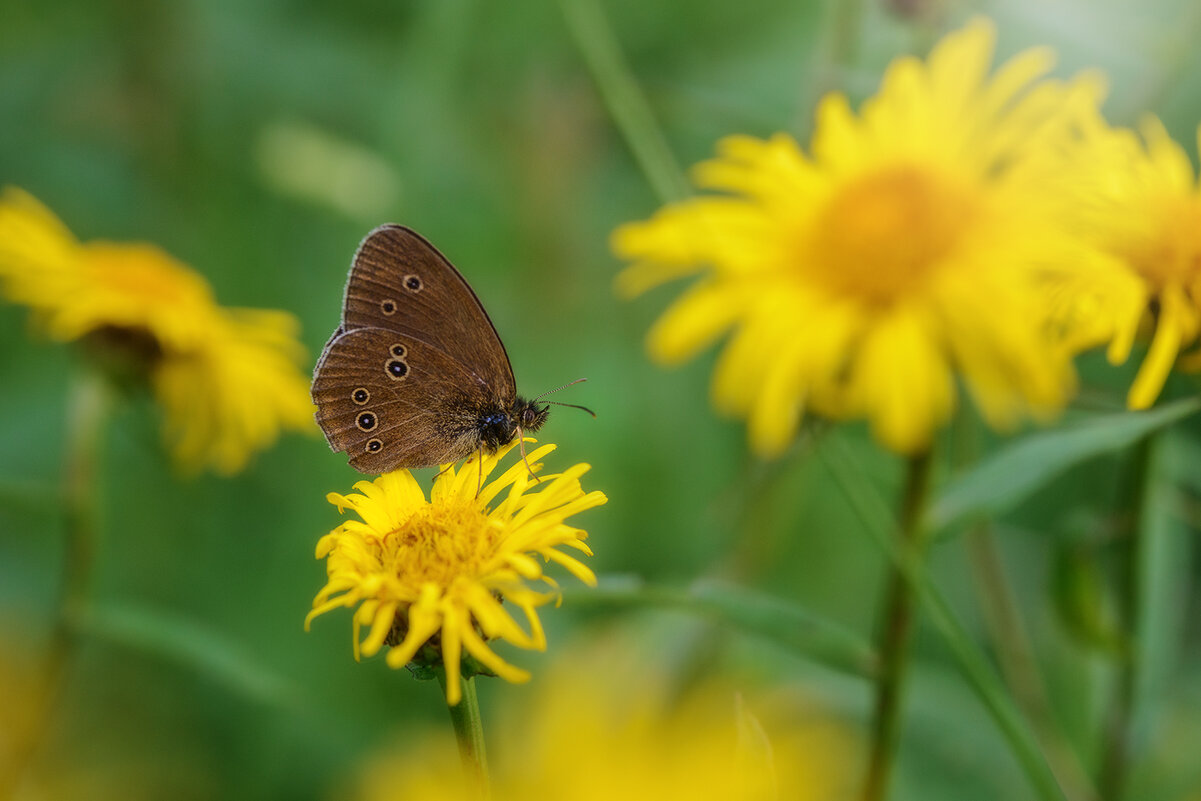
(415, 375)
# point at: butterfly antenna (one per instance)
(573, 406)
(565, 386)
(521, 444)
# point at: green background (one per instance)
(186, 124)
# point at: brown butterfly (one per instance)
(415, 375)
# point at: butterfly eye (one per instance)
(366, 421)
(413, 283)
(399, 351)
(360, 396)
(388, 307)
(397, 369)
(373, 445)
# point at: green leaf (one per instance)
(747, 611)
(975, 667)
(182, 641)
(1005, 478)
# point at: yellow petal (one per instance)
(1162, 353)
(901, 377)
(694, 321)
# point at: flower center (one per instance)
(439, 544)
(884, 234)
(1172, 255)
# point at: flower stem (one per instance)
(1132, 599)
(87, 411)
(877, 520)
(624, 98)
(469, 732)
(897, 634)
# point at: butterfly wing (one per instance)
(405, 379)
(400, 282)
(391, 400)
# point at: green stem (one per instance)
(1007, 633)
(90, 404)
(1015, 653)
(87, 411)
(844, 48)
(897, 634)
(878, 522)
(624, 99)
(1117, 749)
(469, 732)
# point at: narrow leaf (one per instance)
(747, 611)
(1005, 478)
(182, 641)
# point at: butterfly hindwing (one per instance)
(390, 399)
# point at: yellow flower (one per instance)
(439, 571)
(227, 379)
(595, 730)
(1144, 208)
(40, 759)
(907, 250)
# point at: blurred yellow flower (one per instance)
(439, 571)
(40, 759)
(1144, 208)
(907, 250)
(595, 733)
(228, 379)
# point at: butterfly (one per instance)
(415, 375)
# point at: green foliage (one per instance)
(223, 131)
(1002, 480)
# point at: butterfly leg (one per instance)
(479, 482)
(521, 444)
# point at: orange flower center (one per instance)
(886, 233)
(1172, 254)
(439, 544)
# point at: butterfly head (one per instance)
(528, 415)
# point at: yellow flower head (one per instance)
(228, 379)
(440, 571)
(1144, 208)
(642, 742)
(906, 250)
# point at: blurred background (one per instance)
(259, 141)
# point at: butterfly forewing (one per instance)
(415, 375)
(400, 282)
(391, 400)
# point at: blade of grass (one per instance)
(624, 99)
(184, 642)
(1017, 470)
(789, 625)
